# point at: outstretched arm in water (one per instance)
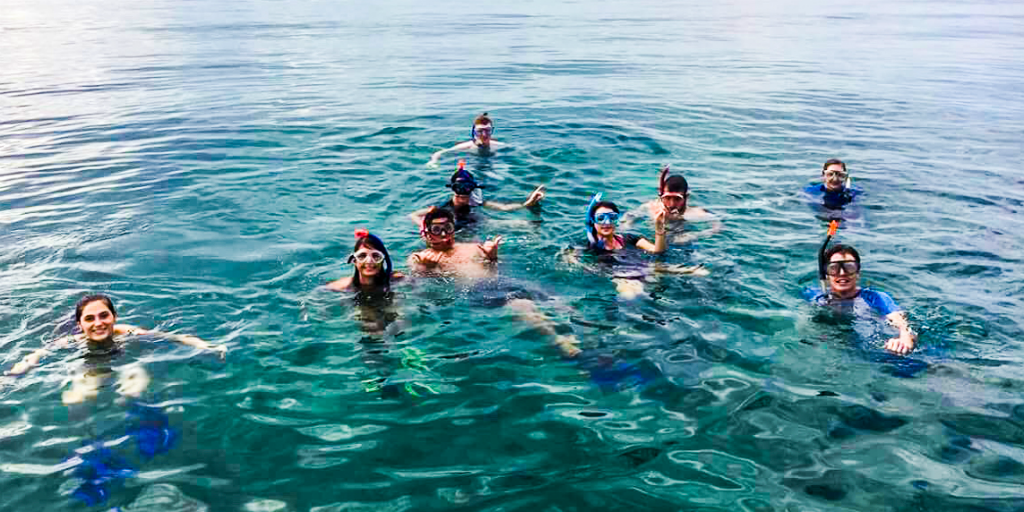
(464, 146)
(532, 200)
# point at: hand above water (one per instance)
(535, 197)
(901, 345)
(428, 258)
(490, 248)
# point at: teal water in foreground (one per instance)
(206, 163)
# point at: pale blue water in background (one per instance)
(205, 163)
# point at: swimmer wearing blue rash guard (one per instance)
(835, 191)
(842, 267)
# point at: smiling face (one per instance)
(369, 262)
(439, 233)
(674, 202)
(605, 229)
(834, 176)
(97, 321)
(843, 272)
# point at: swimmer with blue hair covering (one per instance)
(103, 338)
(480, 140)
(466, 196)
(607, 246)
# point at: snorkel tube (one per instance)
(661, 180)
(591, 235)
(822, 264)
(376, 243)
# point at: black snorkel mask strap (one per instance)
(661, 180)
(822, 264)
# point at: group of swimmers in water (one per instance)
(607, 250)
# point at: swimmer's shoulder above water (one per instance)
(97, 319)
(480, 140)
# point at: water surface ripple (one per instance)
(206, 163)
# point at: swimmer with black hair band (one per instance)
(477, 262)
(103, 338)
(607, 246)
(480, 140)
(673, 194)
(466, 195)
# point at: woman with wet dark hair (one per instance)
(102, 338)
(373, 268)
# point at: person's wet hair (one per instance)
(482, 119)
(85, 301)
(833, 161)
(677, 185)
(437, 213)
(383, 278)
(842, 249)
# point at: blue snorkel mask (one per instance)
(591, 235)
(472, 130)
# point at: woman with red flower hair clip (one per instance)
(373, 269)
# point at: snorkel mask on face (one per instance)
(663, 191)
(462, 182)
(376, 244)
(427, 226)
(490, 126)
(592, 237)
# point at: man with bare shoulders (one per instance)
(481, 142)
(444, 257)
(673, 193)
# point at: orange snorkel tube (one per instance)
(822, 264)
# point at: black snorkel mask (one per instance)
(462, 182)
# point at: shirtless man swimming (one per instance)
(444, 257)
(673, 193)
(481, 142)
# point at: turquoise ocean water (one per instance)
(206, 163)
